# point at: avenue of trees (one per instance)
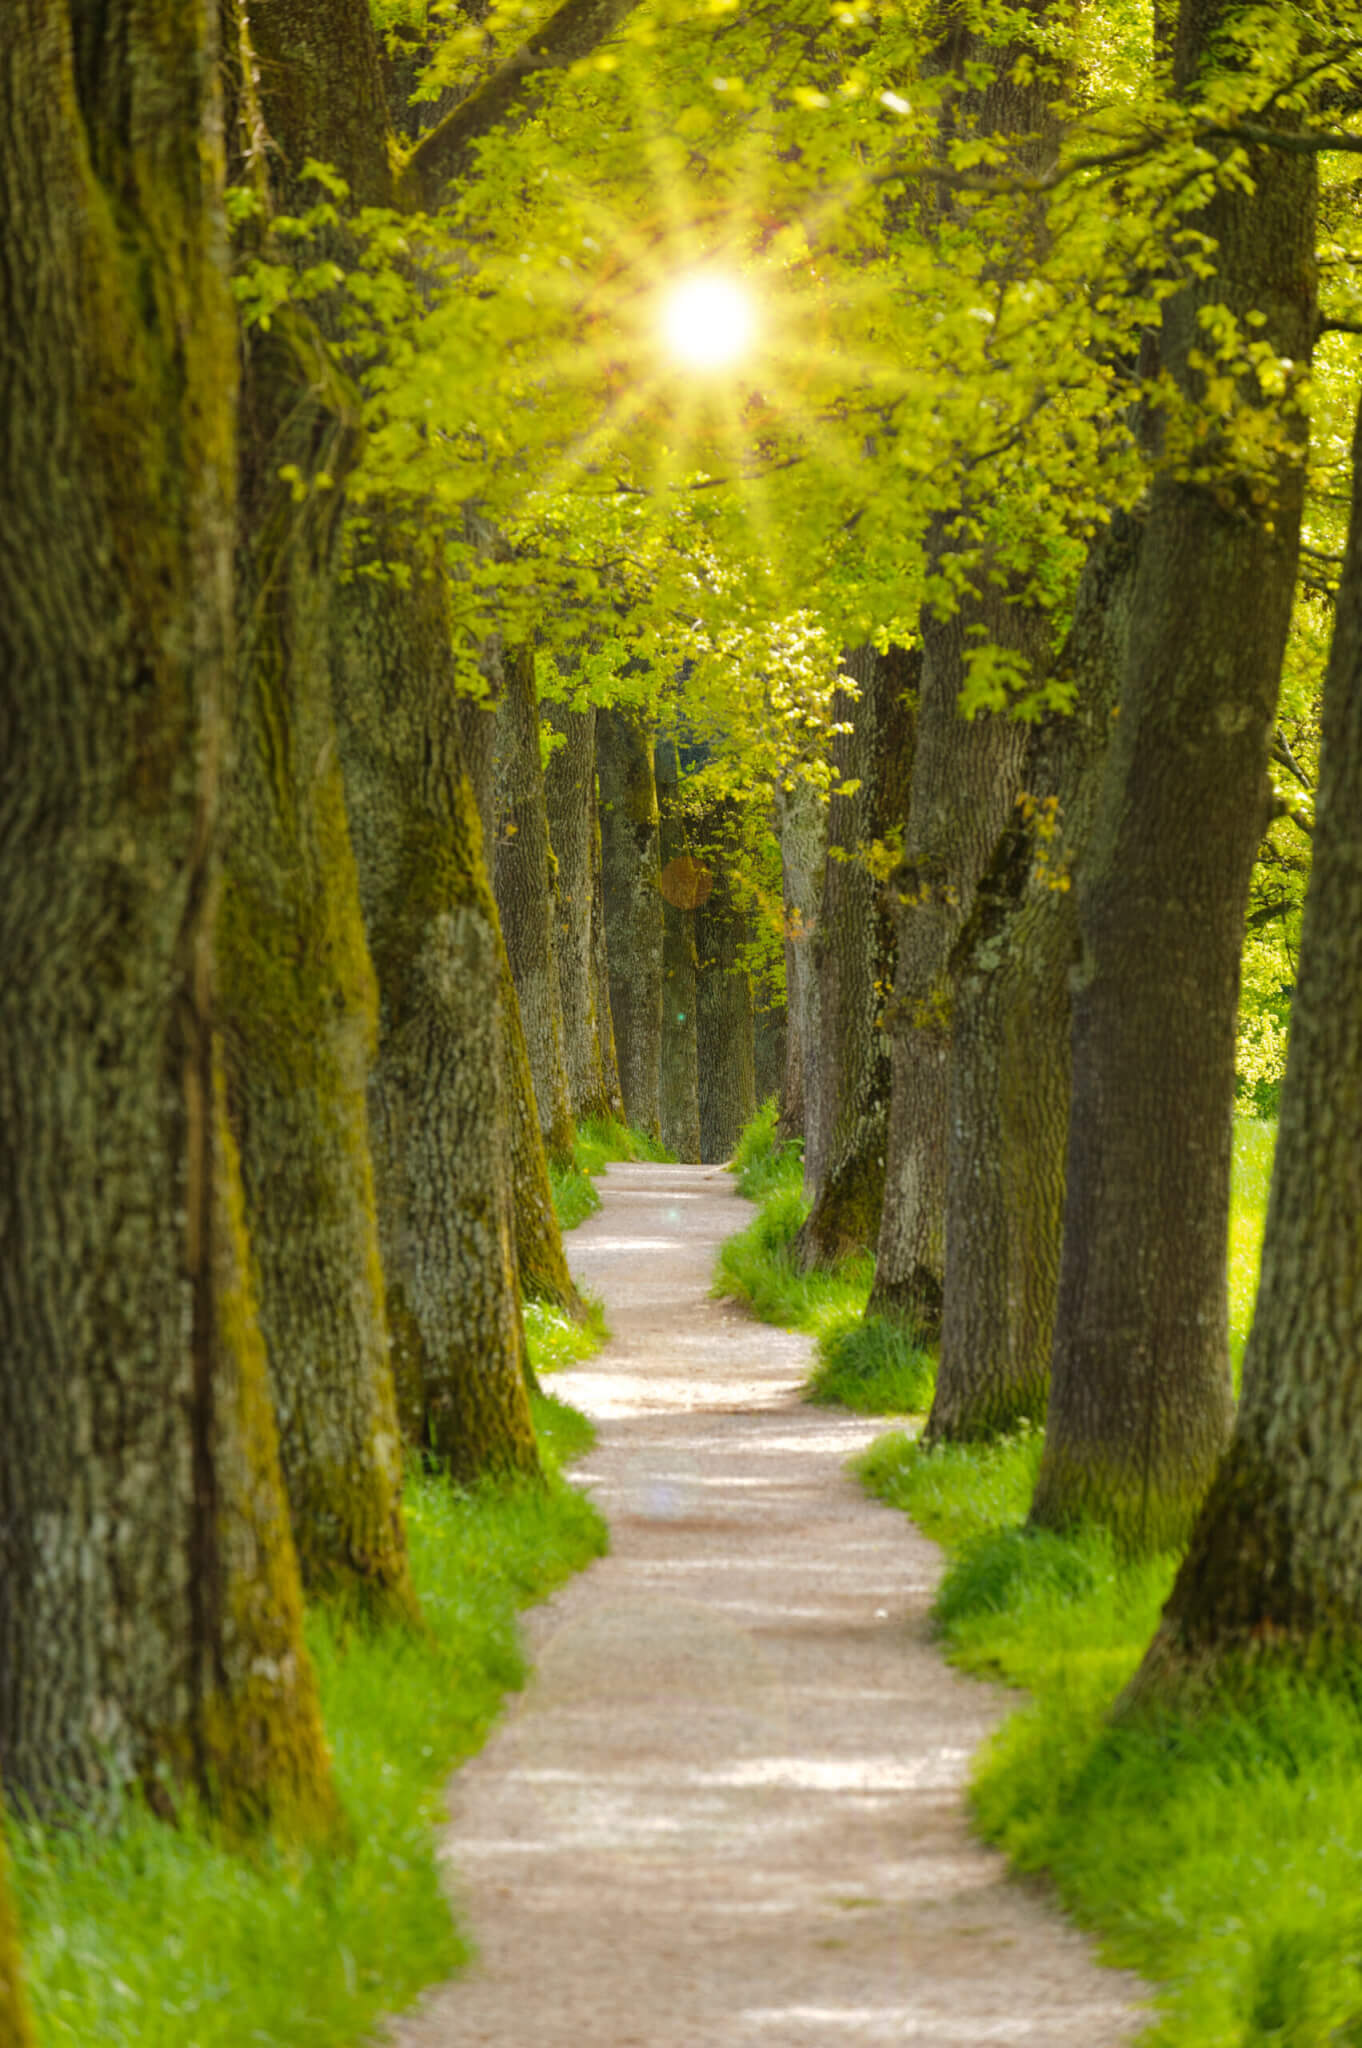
(430, 717)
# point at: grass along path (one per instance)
(137, 1935)
(1219, 1855)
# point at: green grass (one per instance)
(557, 1339)
(138, 1935)
(873, 1366)
(1217, 1850)
(599, 1140)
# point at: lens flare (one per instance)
(708, 322)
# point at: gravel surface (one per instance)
(728, 1807)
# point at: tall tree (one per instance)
(630, 866)
(1140, 1396)
(1275, 1561)
(854, 951)
(1008, 1114)
(802, 828)
(150, 1611)
(570, 795)
(727, 1091)
(524, 883)
(681, 881)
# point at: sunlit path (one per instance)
(728, 1807)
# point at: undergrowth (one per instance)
(140, 1935)
(1216, 1848)
(557, 1339)
(873, 1365)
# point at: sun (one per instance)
(708, 321)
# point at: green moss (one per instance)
(16, 2027)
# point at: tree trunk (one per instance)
(1009, 1066)
(680, 1083)
(16, 2027)
(298, 1000)
(633, 908)
(600, 968)
(770, 1033)
(854, 954)
(1140, 1397)
(439, 1096)
(570, 794)
(728, 1095)
(525, 899)
(1276, 1559)
(802, 825)
(150, 1611)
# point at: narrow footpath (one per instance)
(728, 1807)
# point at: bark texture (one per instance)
(1009, 1068)
(1275, 1562)
(681, 873)
(854, 954)
(728, 1094)
(524, 882)
(150, 1612)
(298, 999)
(802, 827)
(600, 966)
(570, 793)
(1140, 1396)
(630, 867)
(439, 1094)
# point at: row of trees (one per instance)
(402, 674)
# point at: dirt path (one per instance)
(727, 1809)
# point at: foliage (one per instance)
(874, 1365)
(139, 1935)
(601, 1139)
(764, 1162)
(557, 1338)
(574, 1194)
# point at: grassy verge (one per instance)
(1218, 1853)
(872, 1365)
(137, 1935)
(599, 1140)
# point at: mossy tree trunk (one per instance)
(728, 1094)
(600, 967)
(150, 1609)
(1140, 1395)
(570, 794)
(802, 828)
(524, 883)
(16, 2025)
(770, 1034)
(680, 1079)
(1275, 1562)
(440, 1093)
(630, 866)
(1009, 1067)
(854, 955)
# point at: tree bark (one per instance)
(633, 908)
(1009, 1066)
(1140, 1397)
(770, 1032)
(600, 968)
(802, 827)
(298, 999)
(570, 794)
(524, 881)
(439, 1091)
(728, 1095)
(1275, 1563)
(150, 1610)
(854, 957)
(680, 1080)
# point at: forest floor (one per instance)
(728, 1808)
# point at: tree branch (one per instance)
(442, 153)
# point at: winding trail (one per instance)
(727, 1809)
